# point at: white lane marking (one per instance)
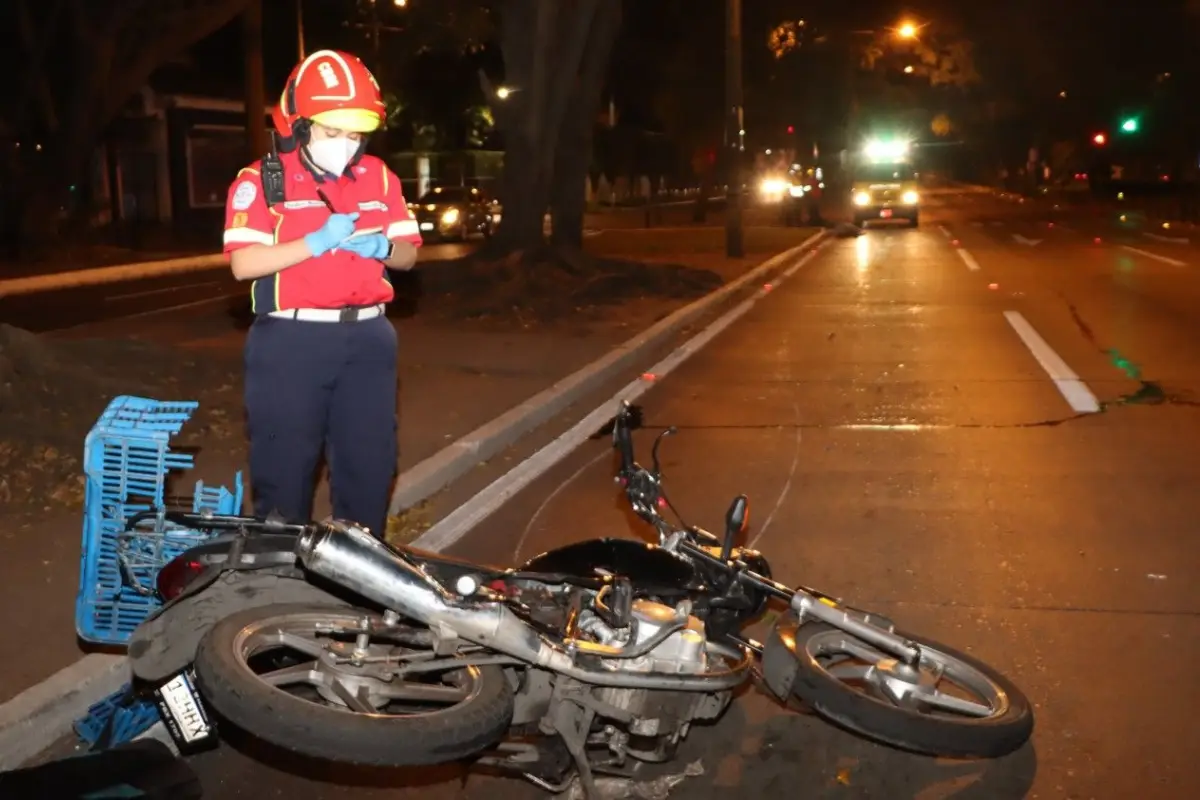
(1175, 262)
(163, 290)
(945, 231)
(968, 259)
(486, 502)
(1073, 389)
(1172, 239)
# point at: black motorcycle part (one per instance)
(166, 644)
(905, 728)
(778, 663)
(324, 732)
(145, 769)
(733, 604)
(648, 567)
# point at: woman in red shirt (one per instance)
(316, 226)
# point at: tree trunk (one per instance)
(575, 136)
(545, 71)
(256, 99)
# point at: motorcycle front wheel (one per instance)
(339, 684)
(951, 705)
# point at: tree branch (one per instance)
(179, 31)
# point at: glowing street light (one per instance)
(908, 70)
(503, 93)
(907, 31)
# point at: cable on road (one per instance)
(558, 490)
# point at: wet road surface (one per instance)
(905, 448)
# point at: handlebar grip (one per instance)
(623, 440)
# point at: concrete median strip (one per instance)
(98, 275)
(35, 719)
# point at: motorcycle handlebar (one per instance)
(622, 439)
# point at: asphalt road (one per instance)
(904, 448)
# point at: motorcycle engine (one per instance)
(660, 714)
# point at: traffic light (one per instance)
(1100, 139)
(1130, 125)
(791, 128)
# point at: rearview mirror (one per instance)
(737, 518)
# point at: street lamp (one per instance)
(503, 92)
(907, 30)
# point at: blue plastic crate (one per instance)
(127, 462)
(128, 715)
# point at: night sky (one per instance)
(1105, 55)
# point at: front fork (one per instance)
(870, 628)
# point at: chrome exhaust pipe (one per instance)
(353, 558)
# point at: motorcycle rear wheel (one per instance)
(912, 717)
(351, 719)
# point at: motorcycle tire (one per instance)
(909, 729)
(339, 735)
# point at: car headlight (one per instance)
(450, 217)
(862, 199)
(796, 191)
(909, 198)
(772, 186)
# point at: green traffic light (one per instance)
(1130, 125)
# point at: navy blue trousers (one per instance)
(314, 385)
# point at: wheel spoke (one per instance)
(299, 673)
(850, 672)
(958, 705)
(355, 702)
(424, 692)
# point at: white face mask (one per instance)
(332, 155)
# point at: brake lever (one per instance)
(671, 431)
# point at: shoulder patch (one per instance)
(244, 195)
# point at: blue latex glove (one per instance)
(369, 245)
(331, 234)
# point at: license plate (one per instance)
(886, 213)
(426, 226)
(183, 713)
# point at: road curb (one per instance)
(115, 274)
(33, 720)
(454, 461)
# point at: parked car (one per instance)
(455, 212)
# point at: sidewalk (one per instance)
(457, 373)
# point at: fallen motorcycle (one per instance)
(582, 662)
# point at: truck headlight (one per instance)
(909, 198)
(862, 199)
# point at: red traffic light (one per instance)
(1099, 138)
(791, 129)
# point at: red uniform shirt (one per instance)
(335, 279)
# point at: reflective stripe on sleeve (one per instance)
(247, 236)
(405, 227)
